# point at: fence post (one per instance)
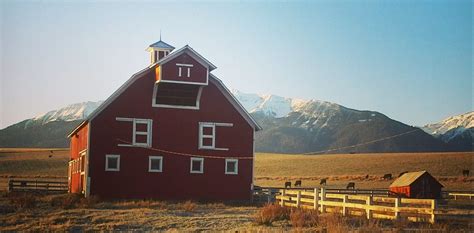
(433, 207)
(344, 208)
(368, 208)
(282, 198)
(316, 197)
(10, 185)
(397, 205)
(323, 198)
(298, 199)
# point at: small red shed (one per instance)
(172, 131)
(419, 184)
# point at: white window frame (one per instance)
(148, 133)
(107, 163)
(180, 69)
(202, 136)
(191, 165)
(236, 172)
(150, 158)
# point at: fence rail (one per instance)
(455, 195)
(37, 186)
(415, 210)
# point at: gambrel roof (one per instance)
(195, 55)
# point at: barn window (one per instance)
(155, 163)
(197, 165)
(231, 166)
(182, 67)
(207, 135)
(173, 95)
(141, 134)
(112, 162)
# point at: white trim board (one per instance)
(107, 163)
(149, 163)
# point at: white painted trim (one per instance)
(187, 65)
(191, 165)
(149, 163)
(180, 71)
(253, 161)
(189, 72)
(236, 172)
(107, 163)
(196, 107)
(237, 105)
(183, 82)
(148, 133)
(202, 136)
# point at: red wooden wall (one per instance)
(173, 130)
(170, 71)
(78, 143)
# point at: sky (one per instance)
(410, 60)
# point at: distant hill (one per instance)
(299, 126)
(290, 126)
(457, 131)
(47, 130)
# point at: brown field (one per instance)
(270, 170)
(275, 169)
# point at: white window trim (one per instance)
(212, 125)
(148, 133)
(149, 163)
(191, 165)
(155, 105)
(236, 172)
(107, 163)
(180, 69)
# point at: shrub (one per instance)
(188, 206)
(304, 218)
(23, 200)
(270, 213)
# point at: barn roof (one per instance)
(161, 44)
(139, 74)
(408, 178)
(191, 52)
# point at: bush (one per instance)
(304, 218)
(188, 206)
(23, 200)
(270, 213)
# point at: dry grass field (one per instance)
(275, 169)
(43, 212)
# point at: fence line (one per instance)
(415, 210)
(37, 186)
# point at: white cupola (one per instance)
(159, 50)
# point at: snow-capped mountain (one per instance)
(71, 112)
(458, 123)
(290, 126)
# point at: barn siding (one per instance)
(78, 143)
(173, 130)
(198, 72)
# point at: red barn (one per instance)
(417, 185)
(172, 131)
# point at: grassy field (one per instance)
(275, 169)
(271, 170)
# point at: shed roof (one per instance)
(408, 178)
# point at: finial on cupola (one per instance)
(159, 50)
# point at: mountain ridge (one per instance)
(290, 125)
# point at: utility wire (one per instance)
(228, 157)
